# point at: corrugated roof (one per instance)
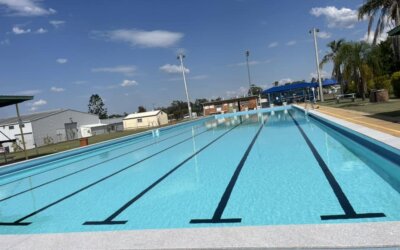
(30, 117)
(112, 120)
(94, 125)
(143, 114)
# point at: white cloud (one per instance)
(382, 37)
(122, 69)
(62, 60)
(273, 44)
(40, 102)
(29, 92)
(238, 92)
(291, 43)
(25, 8)
(141, 38)
(323, 73)
(56, 89)
(128, 83)
(173, 69)
(284, 81)
(41, 31)
(19, 31)
(323, 35)
(337, 18)
(57, 23)
(35, 105)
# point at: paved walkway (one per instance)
(362, 119)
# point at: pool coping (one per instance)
(346, 235)
(355, 235)
(379, 136)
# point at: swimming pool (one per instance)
(276, 168)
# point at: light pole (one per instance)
(180, 58)
(314, 32)
(248, 71)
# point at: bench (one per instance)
(351, 95)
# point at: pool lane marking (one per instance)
(349, 212)
(228, 191)
(110, 220)
(124, 145)
(20, 222)
(83, 169)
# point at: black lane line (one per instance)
(81, 170)
(20, 222)
(349, 212)
(228, 191)
(110, 220)
(88, 157)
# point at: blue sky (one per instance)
(63, 51)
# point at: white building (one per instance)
(44, 128)
(145, 119)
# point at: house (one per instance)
(105, 126)
(145, 119)
(44, 128)
(230, 105)
(114, 124)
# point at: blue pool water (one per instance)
(257, 169)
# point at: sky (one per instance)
(62, 52)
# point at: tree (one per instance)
(197, 106)
(353, 58)
(396, 83)
(388, 12)
(141, 109)
(115, 116)
(276, 83)
(255, 90)
(332, 57)
(96, 106)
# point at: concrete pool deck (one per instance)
(378, 234)
(346, 235)
(363, 119)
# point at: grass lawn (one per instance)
(66, 145)
(389, 111)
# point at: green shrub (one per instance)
(352, 88)
(396, 83)
(383, 82)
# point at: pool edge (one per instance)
(355, 235)
(384, 138)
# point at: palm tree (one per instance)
(389, 14)
(331, 57)
(353, 57)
